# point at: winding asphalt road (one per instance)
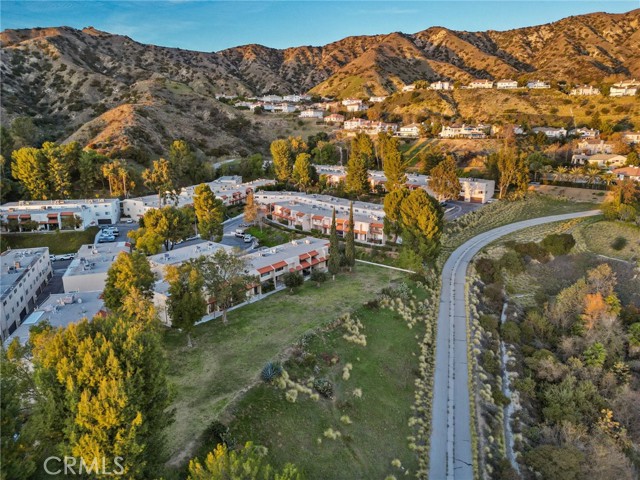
(450, 457)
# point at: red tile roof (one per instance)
(280, 264)
(305, 264)
(266, 269)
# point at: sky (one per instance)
(211, 25)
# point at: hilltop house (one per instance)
(551, 132)
(357, 107)
(592, 147)
(377, 99)
(628, 88)
(439, 85)
(409, 88)
(538, 84)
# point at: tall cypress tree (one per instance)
(350, 247)
(334, 249)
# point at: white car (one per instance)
(248, 238)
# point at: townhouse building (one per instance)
(87, 272)
(49, 215)
(23, 276)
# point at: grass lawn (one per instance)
(228, 359)
(602, 236)
(384, 370)
(58, 242)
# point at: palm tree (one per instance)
(546, 170)
(608, 178)
(593, 175)
(561, 173)
(576, 173)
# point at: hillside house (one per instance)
(627, 173)
(410, 131)
(506, 84)
(538, 85)
(311, 113)
(590, 133)
(464, 131)
(551, 132)
(377, 99)
(627, 88)
(357, 107)
(606, 160)
(409, 88)
(631, 137)
(439, 85)
(593, 146)
(488, 84)
(585, 90)
(334, 118)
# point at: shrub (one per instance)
(619, 243)
(215, 433)
(324, 387)
(512, 262)
(270, 371)
(511, 332)
(318, 276)
(558, 244)
(268, 287)
(488, 270)
(531, 250)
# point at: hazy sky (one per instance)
(215, 25)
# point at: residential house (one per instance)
(592, 147)
(357, 107)
(585, 133)
(585, 90)
(356, 124)
(464, 131)
(488, 84)
(271, 98)
(410, 131)
(351, 101)
(60, 310)
(627, 88)
(409, 88)
(296, 98)
(334, 118)
(310, 113)
(627, 173)
(551, 132)
(440, 85)
(506, 84)
(631, 137)
(606, 160)
(24, 273)
(377, 99)
(538, 84)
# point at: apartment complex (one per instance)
(230, 190)
(23, 275)
(180, 255)
(474, 190)
(314, 212)
(59, 214)
(60, 310)
(87, 272)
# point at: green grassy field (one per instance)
(270, 236)
(58, 242)
(226, 360)
(600, 238)
(376, 431)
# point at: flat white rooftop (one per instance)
(95, 258)
(182, 254)
(14, 263)
(60, 310)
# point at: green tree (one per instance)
(89, 171)
(392, 219)
(209, 211)
(556, 463)
(392, 164)
(334, 248)
(325, 153)
(350, 246)
(29, 167)
(429, 157)
(357, 178)
(226, 279)
(303, 172)
(293, 280)
(7, 143)
(363, 148)
(444, 181)
(59, 166)
(247, 463)
(161, 179)
(119, 178)
(595, 355)
(632, 159)
(128, 272)
(252, 167)
(102, 393)
(186, 303)
(282, 159)
(183, 163)
(421, 219)
(513, 172)
(24, 132)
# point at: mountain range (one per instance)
(128, 98)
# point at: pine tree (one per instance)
(334, 248)
(350, 247)
(392, 203)
(102, 393)
(394, 168)
(29, 167)
(357, 179)
(59, 167)
(362, 147)
(303, 171)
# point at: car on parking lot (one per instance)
(240, 232)
(248, 238)
(68, 256)
(106, 239)
(129, 220)
(53, 258)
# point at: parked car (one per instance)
(106, 239)
(53, 258)
(129, 220)
(240, 232)
(68, 256)
(248, 238)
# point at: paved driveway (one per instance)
(450, 455)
